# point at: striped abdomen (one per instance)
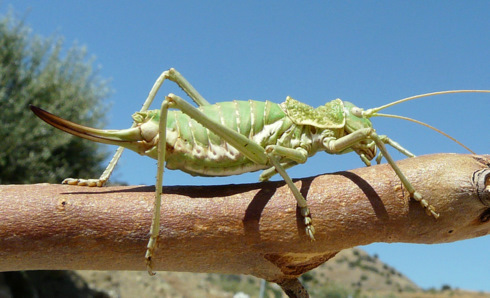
(192, 148)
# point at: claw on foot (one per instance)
(310, 230)
(84, 182)
(429, 209)
(149, 255)
(149, 266)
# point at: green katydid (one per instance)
(236, 137)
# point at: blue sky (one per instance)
(369, 52)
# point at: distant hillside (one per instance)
(355, 270)
(352, 273)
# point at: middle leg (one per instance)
(253, 151)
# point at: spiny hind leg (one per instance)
(170, 74)
(177, 102)
(112, 164)
(176, 77)
(173, 101)
(103, 178)
(155, 223)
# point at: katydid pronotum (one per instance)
(236, 137)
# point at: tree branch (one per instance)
(242, 229)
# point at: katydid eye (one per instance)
(356, 111)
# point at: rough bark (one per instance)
(242, 229)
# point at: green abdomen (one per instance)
(192, 148)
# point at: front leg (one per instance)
(395, 145)
(429, 209)
(343, 143)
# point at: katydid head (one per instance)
(355, 121)
(366, 114)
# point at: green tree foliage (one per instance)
(36, 70)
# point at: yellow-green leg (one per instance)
(172, 75)
(247, 147)
(338, 145)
